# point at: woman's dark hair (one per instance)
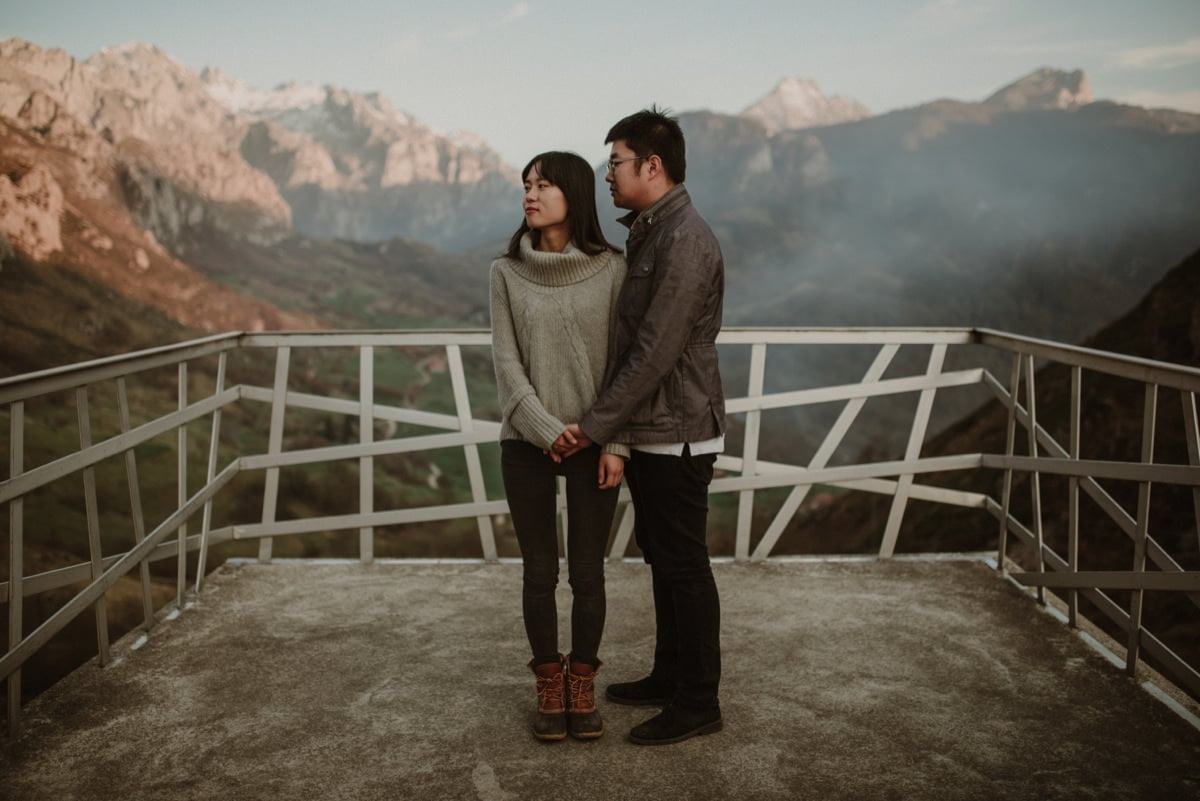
(574, 176)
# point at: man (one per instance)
(662, 396)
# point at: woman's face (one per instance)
(545, 204)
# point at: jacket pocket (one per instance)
(659, 411)
(702, 392)
(637, 289)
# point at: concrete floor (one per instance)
(876, 680)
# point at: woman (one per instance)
(552, 298)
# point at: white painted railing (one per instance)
(742, 475)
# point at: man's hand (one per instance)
(612, 467)
(570, 442)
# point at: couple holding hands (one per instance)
(606, 367)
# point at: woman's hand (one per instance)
(612, 468)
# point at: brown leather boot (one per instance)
(582, 716)
(550, 721)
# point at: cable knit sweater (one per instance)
(551, 313)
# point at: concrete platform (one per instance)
(843, 680)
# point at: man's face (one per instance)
(627, 181)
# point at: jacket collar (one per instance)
(676, 198)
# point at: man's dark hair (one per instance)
(652, 132)
(573, 175)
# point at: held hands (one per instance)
(570, 442)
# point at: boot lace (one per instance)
(550, 691)
(583, 692)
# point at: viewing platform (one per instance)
(928, 678)
(1061, 663)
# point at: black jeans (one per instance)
(670, 501)
(529, 479)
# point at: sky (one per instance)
(535, 75)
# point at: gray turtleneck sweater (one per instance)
(550, 318)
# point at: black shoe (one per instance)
(674, 725)
(643, 692)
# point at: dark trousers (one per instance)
(529, 482)
(670, 501)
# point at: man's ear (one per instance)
(654, 162)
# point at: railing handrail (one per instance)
(1135, 367)
(55, 379)
(27, 385)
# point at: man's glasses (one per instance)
(612, 163)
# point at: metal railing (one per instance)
(743, 475)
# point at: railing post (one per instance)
(1073, 495)
(213, 444)
(16, 553)
(181, 534)
(1014, 388)
(916, 438)
(564, 518)
(624, 530)
(1035, 479)
(758, 359)
(366, 464)
(135, 504)
(462, 404)
(93, 521)
(1143, 525)
(1192, 428)
(824, 453)
(274, 446)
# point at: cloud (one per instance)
(1161, 57)
(1186, 100)
(517, 11)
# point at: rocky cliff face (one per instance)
(63, 203)
(127, 170)
(138, 107)
(31, 207)
(354, 166)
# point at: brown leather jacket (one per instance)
(662, 382)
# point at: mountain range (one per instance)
(221, 206)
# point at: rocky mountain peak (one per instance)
(25, 67)
(137, 55)
(145, 93)
(800, 103)
(1044, 89)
